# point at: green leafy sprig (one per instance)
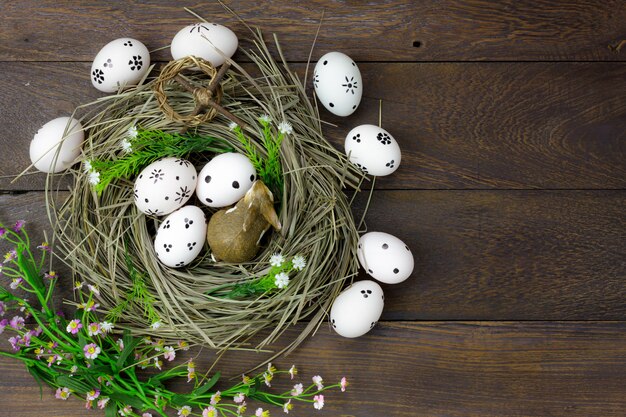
(83, 357)
(143, 147)
(276, 278)
(269, 168)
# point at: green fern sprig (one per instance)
(147, 147)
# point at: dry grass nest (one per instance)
(108, 243)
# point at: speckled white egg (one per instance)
(164, 186)
(357, 309)
(385, 257)
(181, 236)
(209, 41)
(373, 150)
(120, 63)
(225, 180)
(56, 145)
(338, 84)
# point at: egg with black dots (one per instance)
(164, 186)
(357, 309)
(385, 257)
(338, 83)
(225, 179)
(181, 237)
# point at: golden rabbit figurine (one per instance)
(234, 234)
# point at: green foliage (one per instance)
(268, 168)
(149, 146)
(139, 295)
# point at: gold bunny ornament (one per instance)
(234, 234)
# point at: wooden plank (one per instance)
(483, 125)
(441, 30)
(486, 255)
(426, 369)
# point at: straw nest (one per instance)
(108, 243)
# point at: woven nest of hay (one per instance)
(107, 241)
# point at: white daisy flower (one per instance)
(127, 146)
(132, 131)
(298, 262)
(94, 177)
(281, 280)
(285, 128)
(277, 260)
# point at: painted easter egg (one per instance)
(180, 237)
(385, 257)
(120, 63)
(225, 179)
(357, 309)
(373, 150)
(338, 84)
(164, 186)
(209, 41)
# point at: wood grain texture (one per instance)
(446, 30)
(505, 255)
(479, 125)
(427, 369)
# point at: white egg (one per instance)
(385, 257)
(373, 150)
(225, 180)
(120, 63)
(181, 236)
(338, 84)
(357, 309)
(57, 144)
(164, 186)
(209, 41)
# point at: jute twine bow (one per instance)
(207, 98)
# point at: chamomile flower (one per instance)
(261, 413)
(94, 177)
(169, 353)
(287, 407)
(281, 280)
(17, 322)
(74, 326)
(102, 402)
(343, 383)
(62, 393)
(92, 395)
(184, 411)
(267, 378)
(215, 398)
(16, 282)
(209, 412)
(106, 326)
(298, 262)
(318, 402)
(297, 390)
(91, 351)
(293, 371)
(94, 329)
(317, 380)
(239, 397)
(285, 128)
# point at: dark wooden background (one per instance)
(512, 190)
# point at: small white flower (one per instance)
(132, 131)
(156, 324)
(317, 380)
(298, 262)
(265, 119)
(73, 369)
(282, 280)
(232, 126)
(127, 146)
(285, 128)
(106, 326)
(93, 289)
(94, 177)
(87, 166)
(277, 260)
